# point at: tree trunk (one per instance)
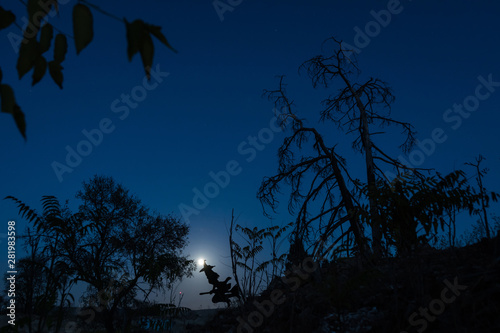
(483, 203)
(346, 197)
(370, 172)
(351, 211)
(370, 176)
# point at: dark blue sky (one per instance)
(192, 122)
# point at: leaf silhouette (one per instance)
(20, 121)
(6, 18)
(35, 10)
(139, 40)
(55, 71)
(135, 35)
(25, 211)
(8, 99)
(147, 52)
(40, 69)
(60, 48)
(9, 105)
(156, 31)
(83, 26)
(46, 37)
(28, 53)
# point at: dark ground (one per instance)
(450, 290)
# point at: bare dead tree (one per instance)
(314, 180)
(357, 108)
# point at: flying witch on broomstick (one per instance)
(222, 289)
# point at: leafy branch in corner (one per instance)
(38, 37)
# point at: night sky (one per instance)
(203, 109)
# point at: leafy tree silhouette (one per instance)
(410, 202)
(113, 235)
(249, 272)
(44, 277)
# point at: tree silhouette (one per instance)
(325, 168)
(357, 108)
(484, 197)
(411, 202)
(45, 278)
(249, 271)
(115, 244)
(325, 195)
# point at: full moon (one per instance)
(201, 261)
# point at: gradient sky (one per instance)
(192, 123)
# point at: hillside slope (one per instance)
(450, 290)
